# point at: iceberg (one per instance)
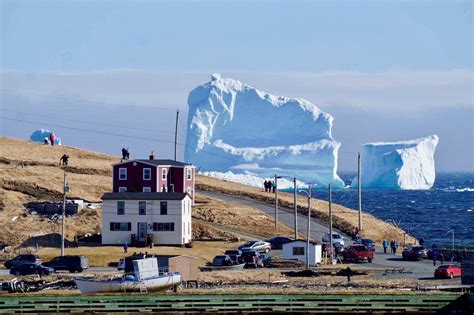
(39, 135)
(399, 165)
(233, 126)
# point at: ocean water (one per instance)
(427, 214)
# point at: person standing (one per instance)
(433, 254)
(52, 137)
(349, 274)
(384, 245)
(441, 257)
(273, 186)
(395, 246)
(125, 247)
(265, 185)
(391, 247)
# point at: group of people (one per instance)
(50, 139)
(269, 186)
(125, 154)
(393, 246)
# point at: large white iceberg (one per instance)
(39, 135)
(399, 165)
(233, 126)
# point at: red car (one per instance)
(448, 271)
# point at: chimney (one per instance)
(152, 156)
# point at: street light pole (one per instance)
(359, 189)
(308, 235)
(296, 208)
(66, 189)
(276, 200)
(330, 223)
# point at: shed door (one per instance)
(142, 231)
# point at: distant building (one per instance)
(141, 218)
(150, 202)
(297, 250)
(154, 176)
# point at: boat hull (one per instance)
(153, 284)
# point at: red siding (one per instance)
(134, 181)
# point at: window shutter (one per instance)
(129, 227)
(112, 226)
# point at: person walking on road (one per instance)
(384, 245)
(265, 185)
(441, 257)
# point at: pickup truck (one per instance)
(358, 252)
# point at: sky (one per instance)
(386, 70)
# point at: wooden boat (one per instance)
(146, 278)
(215, 268)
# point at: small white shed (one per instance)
(297, 250)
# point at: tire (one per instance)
(267, 250)
(369, 260)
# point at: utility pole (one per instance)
(359, 189)
(176, 136)
(66, 190)
(330, 223)
(308, 235)
(276, 199)
(452, 246)
(296, 208)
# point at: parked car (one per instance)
(22, 259)
(252, 258)
(68, 263)
(278, 241)
(336, 238)
(235, 255)
(367, 242)
(259, 246)
(31, 269)
(222, 260)
(414, 253)
(448, 271)
(358, 252)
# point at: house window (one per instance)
(163, 207)
(189, 173)
(298, 251)
(147, 174)
(163, 227)
(122, 189)
(163, 174)
(146, 189)
(120, 207)
(141, 207)
(122, 173)
(120, 226)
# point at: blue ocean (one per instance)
(427, 214)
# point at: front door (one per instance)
(142, 231)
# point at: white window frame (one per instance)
(189, 174)
(145, 169)
(122, 189)
(164, 173)
(120, 173)
(146, 189)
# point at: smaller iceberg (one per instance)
(40, 134)
(399, 165)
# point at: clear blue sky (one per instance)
(399, 70)
(244, 35)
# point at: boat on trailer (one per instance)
(146, 278)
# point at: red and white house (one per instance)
(154, 176)
(150, 202)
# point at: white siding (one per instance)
(314, 252)
(176, 209)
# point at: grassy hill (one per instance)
(31, 172)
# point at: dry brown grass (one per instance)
(343, 218)
(89, 177)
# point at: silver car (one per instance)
(336, 238)
(258, 246)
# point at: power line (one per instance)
(81, 101)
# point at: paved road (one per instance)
(416, 269)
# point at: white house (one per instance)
(297, 250)
(139, 218)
